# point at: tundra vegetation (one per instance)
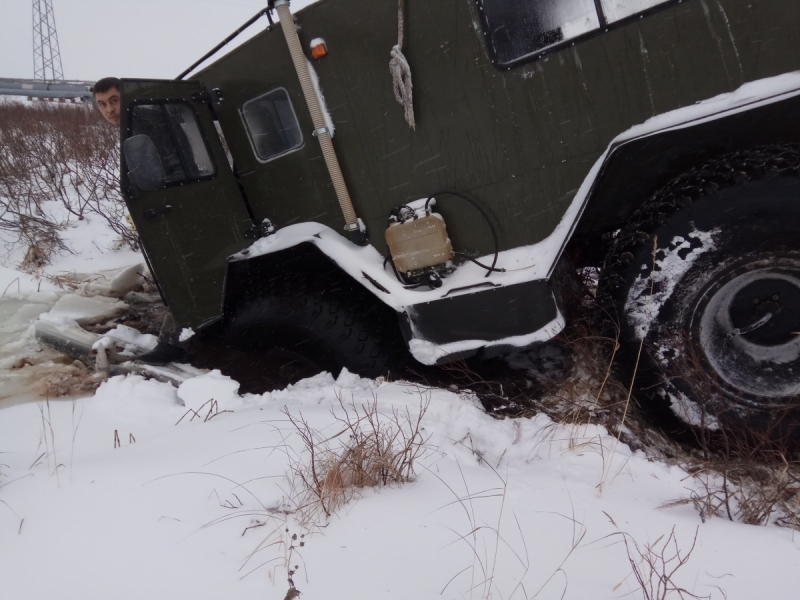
(58, 163)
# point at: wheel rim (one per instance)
(747, 325)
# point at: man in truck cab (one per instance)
(107, 97)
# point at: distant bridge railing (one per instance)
(68, 90)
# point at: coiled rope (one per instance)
(401, 71)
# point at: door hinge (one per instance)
(215, 96)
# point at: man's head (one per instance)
(106, 95)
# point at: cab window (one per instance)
(271, 125)
(175, 132)
(518, 30)
(615, 10)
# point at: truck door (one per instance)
(181, 193)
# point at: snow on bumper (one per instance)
(429, 353)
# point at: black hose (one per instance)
(480, 264)
(489, 270)
(400, 278)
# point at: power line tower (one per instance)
(46, 55)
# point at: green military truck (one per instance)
(300, 191)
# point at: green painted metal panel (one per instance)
(188, 245)
(520, 141)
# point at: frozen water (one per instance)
(86, 311)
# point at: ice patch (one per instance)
(115, 283)
(16, 317)
(86, 311)
(641, 307)
(132, 341)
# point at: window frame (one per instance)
(164, 101)
(605, 27)
(249, 133)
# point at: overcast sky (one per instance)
(125, 38)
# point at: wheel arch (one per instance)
(636, 166)
(248, 279)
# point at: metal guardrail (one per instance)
(46, 89)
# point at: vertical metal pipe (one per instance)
(321, 131)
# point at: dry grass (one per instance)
(370, 450)
(485, 541)
(655, 566)
(759, 490)
(743, 470)
(739, 473)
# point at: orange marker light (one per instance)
(318, 48)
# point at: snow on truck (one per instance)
(369, 168)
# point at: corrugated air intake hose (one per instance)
(352, 225)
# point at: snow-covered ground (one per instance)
(498, 509)
(122, 494)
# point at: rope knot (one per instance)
(401, 71)
(401, 82)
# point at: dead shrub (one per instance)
(58, 163)
(655, 565)
(754, 491)
(592, 391)
(370, 450)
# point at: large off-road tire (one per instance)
(711, 295)
(324, 321)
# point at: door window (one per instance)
(175, 132)
(272, 125)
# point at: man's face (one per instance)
(108, 103)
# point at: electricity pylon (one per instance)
(46, 55)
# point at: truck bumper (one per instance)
(458, 326)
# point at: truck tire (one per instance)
(705, 279)
(324, 320)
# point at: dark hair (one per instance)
(106, 84)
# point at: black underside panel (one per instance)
(490, 315)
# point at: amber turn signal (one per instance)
(318, 48)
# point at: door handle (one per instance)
(152, 213)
